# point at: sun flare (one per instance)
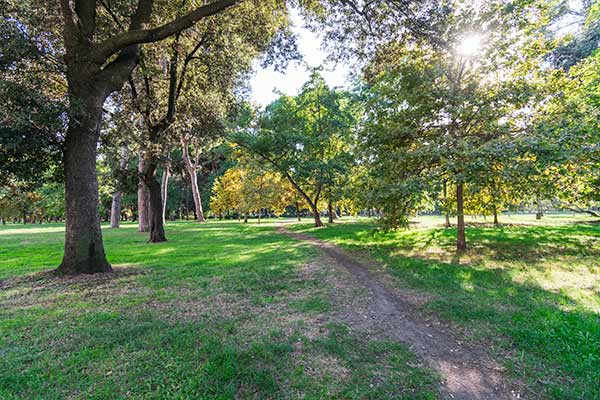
(469, 44)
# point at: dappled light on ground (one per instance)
(531, 291)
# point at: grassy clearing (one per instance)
(529, 290)
(222, 310)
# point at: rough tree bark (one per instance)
(316, 216)
(115, 209)
(164, 186)
(461, 241)
(155, 217)
(84, 250)
(95, 69)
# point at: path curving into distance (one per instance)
(467, 372)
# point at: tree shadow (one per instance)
(545, 336)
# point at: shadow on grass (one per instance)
(545, 337)
(187, 319)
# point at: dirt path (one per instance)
(467, 372)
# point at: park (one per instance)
(315, 199)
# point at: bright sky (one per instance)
(266, 80)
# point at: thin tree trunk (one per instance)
(496, 216)
(164, 189)
(245, 218)
(461, 241)
(115, 210)
(84, 250)
(330, 211)
(446, 211)
(540, 211)
(298, 211)
(259, 215)
(192, 170)
(187, 205)
(143, 200)
(196, 196)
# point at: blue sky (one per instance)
(266, 80)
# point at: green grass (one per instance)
(220, 311)
(531, 293)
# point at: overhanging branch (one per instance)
(137, 36)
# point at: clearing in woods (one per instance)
(227, 310)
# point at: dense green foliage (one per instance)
(306, 139)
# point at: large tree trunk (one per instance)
(157, 228)
(84, 250)
(164, 189)
(143, 199)
(461, 241)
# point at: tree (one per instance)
(100, 52)
(33, 111)
(438, 115)
(305, 139)
(202, 67)
(203, 130)
(250, 189)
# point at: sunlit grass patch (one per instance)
(529, 290)
(221, 310)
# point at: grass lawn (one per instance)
(220, 311)
(529, 289)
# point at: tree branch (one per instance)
(86, 15)
(137, 36)
(71, 34)
(578, 209)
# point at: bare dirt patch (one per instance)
(468, 371)
(44, 288)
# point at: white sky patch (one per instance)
(469, 44)
(265, 82)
